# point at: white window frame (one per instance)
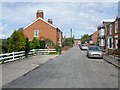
(116, 43)
(36, 33)
(116, 27)
(110, 29)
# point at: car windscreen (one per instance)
(84, 45)
(94, 48)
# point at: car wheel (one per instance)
(88, 56)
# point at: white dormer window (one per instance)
(36, 33)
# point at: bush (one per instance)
(117, 52)
(42, 44)
(27, 47)
(68, 42)
(58, 48)
(92, 44)
(17, 42)
(34, 44)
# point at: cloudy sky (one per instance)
(81, 17)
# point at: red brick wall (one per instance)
(108, 30)
(113, 33)
(119, 33)
(45, 30)
(95, 37)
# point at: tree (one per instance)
(34, 44)
(5, 43)
(1, 46)
(85, 38)
(27, 47)
(17, 42)
(68, 42)
(58, 49)
(42, 44)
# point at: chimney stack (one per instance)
(40, 14)
(50, 21)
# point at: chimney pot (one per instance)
(50, 21)
(40, 14)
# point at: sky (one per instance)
(81, 17)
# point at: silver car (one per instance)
(94, 51)
(84, 47)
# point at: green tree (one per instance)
(1, 46)
(68, 42)
(42, 44)
(17, 42)
(27, 47)
(85, 38)
(58, 49)
(34, 44)
(5, 43)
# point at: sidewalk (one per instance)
(13, 70)
(112, 60)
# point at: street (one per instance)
(70, 70)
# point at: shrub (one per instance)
(17, 42)
(34, 44)
(58, 48)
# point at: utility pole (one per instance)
(71, 36)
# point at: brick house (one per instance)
(94, 37)
(42, 28)
(102, 34)
(118, 32)
(77, 41)
(112, 35)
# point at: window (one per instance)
(36, 33)
(116, 27)
(110, 29)
(110, 43)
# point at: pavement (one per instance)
(70, 70)
(112, 60)
(13, 70)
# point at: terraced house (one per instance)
(109, 35)
(112, 35)
(102, 35)
(42, 28)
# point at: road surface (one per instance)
(70, 70)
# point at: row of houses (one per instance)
(43, 28)
(107, 35)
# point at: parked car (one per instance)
(94, 51)
(79, 46)
(83, 47)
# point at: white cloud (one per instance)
(60, 0)
(79, 16)
(1, 31)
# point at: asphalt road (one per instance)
(70, 70)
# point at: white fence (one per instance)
(45, 51)
(7, 57)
